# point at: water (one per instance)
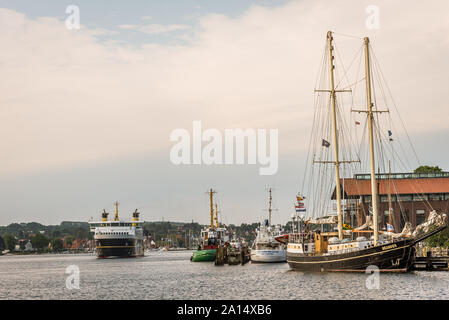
(171, 275)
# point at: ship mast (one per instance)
(334, 124)
(269, 209)
(211, 197)
(116, 211)
(371, 141)
(216, 214)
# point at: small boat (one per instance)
(214, 235)
(266, 248)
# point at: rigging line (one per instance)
(346, 70)
(395, 106)
(348, 35)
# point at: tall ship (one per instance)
(214, 235)
(265, 247)
(323, 241)
(118, 238)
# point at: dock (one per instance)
(439, 263)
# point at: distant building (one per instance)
(28, 246)
(413, 197)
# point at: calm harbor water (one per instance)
(171, 275)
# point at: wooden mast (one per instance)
(389, 192)
(371, 141)
(334, 123)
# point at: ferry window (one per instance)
(446, 196)
(367, 199)
(383, 198)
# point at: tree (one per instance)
(428, 169)
(56, 244)
(39, 241)
(441, 239)
(10, 242)
(69, 240)
(2, 244)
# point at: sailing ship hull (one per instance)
(391, 256)
(119, 248)
(204, 255)
(265, 256)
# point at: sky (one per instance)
(86, 114)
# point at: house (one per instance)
(413, 196)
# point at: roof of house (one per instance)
(355, 187)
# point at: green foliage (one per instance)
(56, 244)
(39, 241)
(441, 239)
(69, 240)
(428, 169)
(2, 244)
(78, 230)
(10, 241)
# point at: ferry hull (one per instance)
(204, 255)
(267, 256)
(398, 255)
(119, 248)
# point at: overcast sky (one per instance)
(86, 114)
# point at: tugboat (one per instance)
(266, 248)
(118, 238)
(312, 248)
(212, 236)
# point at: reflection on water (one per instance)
(171, 275)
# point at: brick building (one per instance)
(413, 197)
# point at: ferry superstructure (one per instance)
(118, 238)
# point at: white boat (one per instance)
(265, 248)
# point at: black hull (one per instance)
(119, 248)
(392, 256)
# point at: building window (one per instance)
(446, 196)
(406, 197)
(420, 197)
(436, 197)
(367, 199)
(420, 216)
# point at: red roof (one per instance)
(355, 187)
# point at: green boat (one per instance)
(211, 237)
(204, 255)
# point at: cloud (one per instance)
(68, 99)
(154, 28)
